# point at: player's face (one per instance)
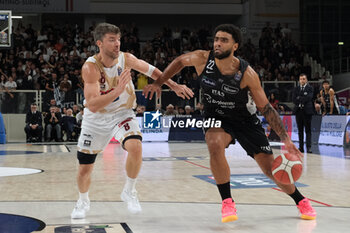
(326, 86)
(110, 45)
(224, 45)
(302, 80)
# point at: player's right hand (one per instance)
(123, 80)
(149, 90)
(292, 149)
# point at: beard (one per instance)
(112, 54)
(222, 55)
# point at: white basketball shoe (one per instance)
(80, 209)
(131, 199)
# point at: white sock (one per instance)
(84, 196)
(130, 184)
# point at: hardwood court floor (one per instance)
(175, 188)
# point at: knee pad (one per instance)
(131, 137)
(86, 158)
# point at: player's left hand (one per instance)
(183, 91)
(292, 149)
(150, 89)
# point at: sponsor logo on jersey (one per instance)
(229, 89)
(119, 70)
(208, 82)
(221, 104)
(238, 76)
(217, 92)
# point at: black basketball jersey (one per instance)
(221, 94)
(327, 99)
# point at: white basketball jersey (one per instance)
(109, 80)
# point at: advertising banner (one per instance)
(332, 130)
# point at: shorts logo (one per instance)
(151, 120)
(208, 82)
(87, 135)
(87, 143)
(229, 89)
(219, 111)
(265, 148)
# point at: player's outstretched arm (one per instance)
(141, 66)
(196, 58)
(94, 100)
(266, 109)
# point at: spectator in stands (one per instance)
(76, 109)
(159, 108)
(140, 109)
(69, 125)
(79, 117)
(51, 85)
(48, 105)
(273, 101)
(33, 128)
(65, 87)
(52, 125)
(10, 97)
(181, 111)
(170, 110)
(188, 110)
(286, 31)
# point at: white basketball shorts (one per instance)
(99, 128)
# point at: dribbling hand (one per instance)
(292, 149)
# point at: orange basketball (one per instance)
(287, 168)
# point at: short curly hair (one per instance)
(231, 29)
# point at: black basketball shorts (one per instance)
(249, 133)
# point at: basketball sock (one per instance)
(130, 184)
(225, 190)
(297, 197)
(84, 196)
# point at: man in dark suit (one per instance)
(34, 125)
(303, 110)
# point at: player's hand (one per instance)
(183, 91)
(149, 90)
(292, 149)
(124, 79)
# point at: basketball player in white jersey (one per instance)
(109, 100)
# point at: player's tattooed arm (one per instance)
(252, 81)
(274, 120)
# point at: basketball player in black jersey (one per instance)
(328, 99)
(231, 91)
